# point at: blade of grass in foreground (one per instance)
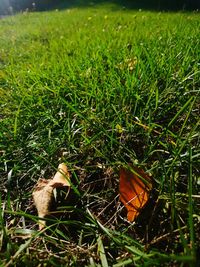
(22, 247)
(180, 111)
(139, 255)
(102, 253)
(190, 205)
(3, 234)
(183, 145)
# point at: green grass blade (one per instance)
(101, 251)
(180, 111)
(190, 205)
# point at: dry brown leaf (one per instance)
(62, 176)
(43, 193)
(43, 199)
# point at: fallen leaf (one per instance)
(134, 188)
(61, 177)
(43, 193)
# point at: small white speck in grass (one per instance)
(5, 166)
(10, 176)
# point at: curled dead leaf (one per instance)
(43, 193)
(61, 177)
(134, 188)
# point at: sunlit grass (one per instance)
(98, 89)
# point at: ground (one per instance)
(99, 88)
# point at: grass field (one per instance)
(99, 88)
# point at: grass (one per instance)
(99, 88)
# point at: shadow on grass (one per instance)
(165, 5)
(44, 5)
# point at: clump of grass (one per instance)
(99, 89)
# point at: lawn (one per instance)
(99, 88)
